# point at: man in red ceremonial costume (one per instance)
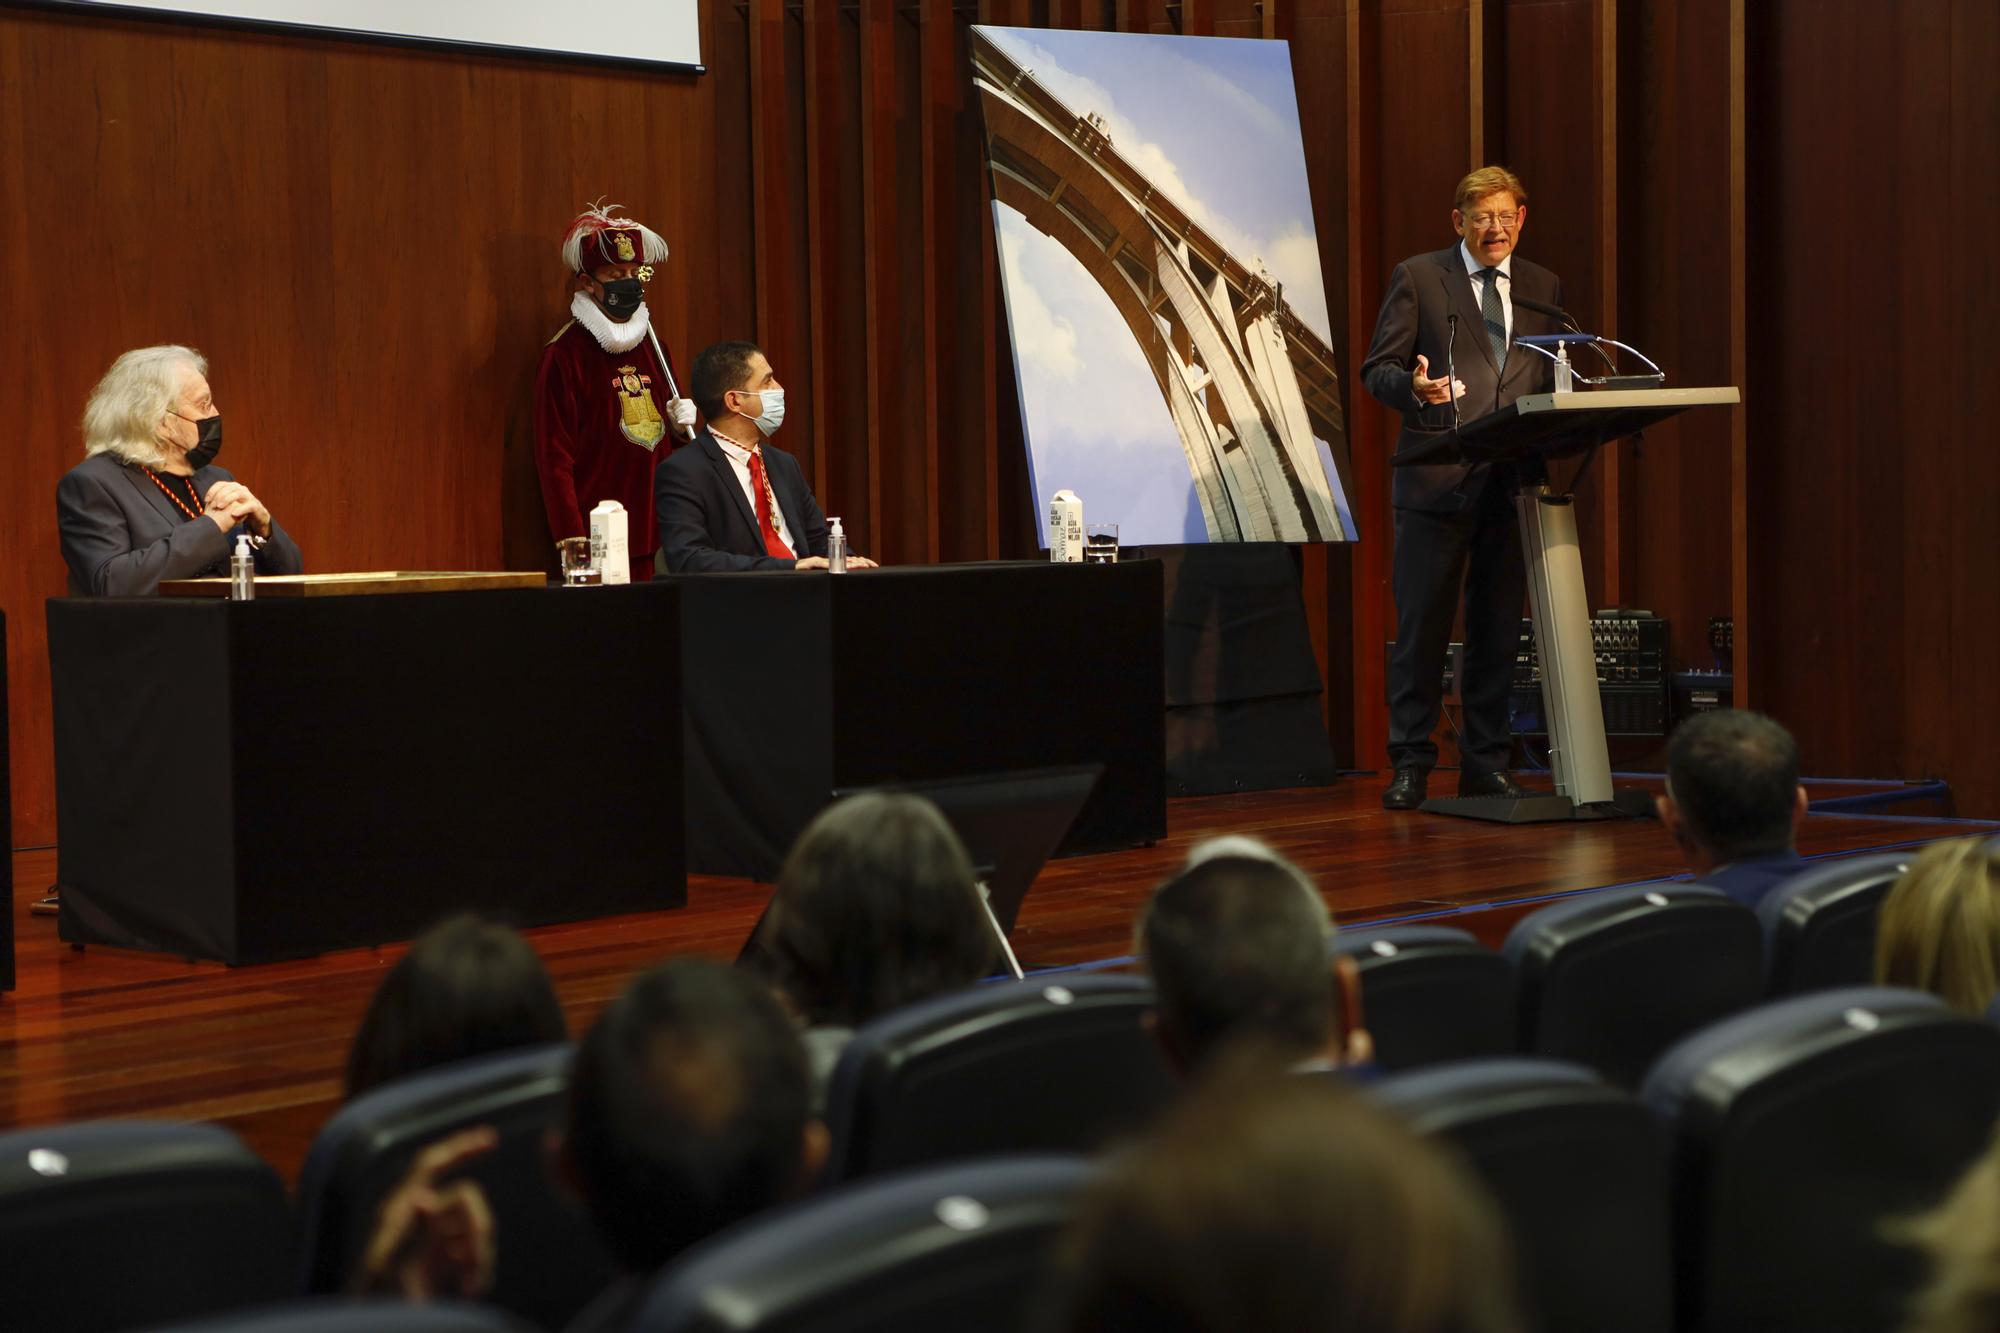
(605, 409)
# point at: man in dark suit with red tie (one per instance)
(728, 501)
(1455, 522)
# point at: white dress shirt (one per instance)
(739, 462)
(1474, 268)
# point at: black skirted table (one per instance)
(797, 685)
(276, 778)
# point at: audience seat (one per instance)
(1026, 1066)
(123, 1225)
(1819, 925)
(1797, 1131)
(1430, 994)
(1580, 1173)
(328, 1314)
(549, 1262)
(1612, 978)
(962, 1246)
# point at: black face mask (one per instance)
(208, 444)
(621, 297)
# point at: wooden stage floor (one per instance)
(107, 1033)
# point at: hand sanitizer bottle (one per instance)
(836, 548)
(242, 571)
(1565, 375)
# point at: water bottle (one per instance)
(242, 571)
(836, 548)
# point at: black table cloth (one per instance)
(275, 778)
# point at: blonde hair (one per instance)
(1961, 1240)
(1939, 928)
(128, 404)
(1476, 185)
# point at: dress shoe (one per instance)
(1497, 783)
(1407, 791)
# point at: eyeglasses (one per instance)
(1506, 220)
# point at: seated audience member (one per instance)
(434, 1236)
(1960, 1242)
(728, 501)
(1273, 1203)
(1939, 927)
(1236, 945)
(1734, 802)
(147, 502)
(689, 1110)
(467, 987)
(876, 907)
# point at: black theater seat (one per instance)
(127, 1225)
(1612, 978)
(1431, 994)
(328, 1314)
(1797, 1130)
(1042, 1066)
(1819, 925)
(1579, 1170)
(549, 1263)
(961, 1246)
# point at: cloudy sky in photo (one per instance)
(1213, 123)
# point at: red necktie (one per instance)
(773, 544)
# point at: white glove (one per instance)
(681, 412)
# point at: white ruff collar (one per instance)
(610, 334)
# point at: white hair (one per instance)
(128, 404)
(1247, 848)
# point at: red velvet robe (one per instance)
(586, 417)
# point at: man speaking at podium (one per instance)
(1446, 332)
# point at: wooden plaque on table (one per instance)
(356, 585)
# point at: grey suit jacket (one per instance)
(121, 535)
(1415, 320)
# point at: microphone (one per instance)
(1557, 312)
(1553, 312)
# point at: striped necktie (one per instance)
(1495, 317)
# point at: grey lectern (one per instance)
(1548, 426)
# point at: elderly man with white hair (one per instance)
(147, 502)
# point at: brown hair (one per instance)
(1476, 185)
(1939, 928)
(1283, 1201)
(876, 907)
(1236, 945)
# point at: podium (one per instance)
(1547, 426)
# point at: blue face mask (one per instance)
(771, 415)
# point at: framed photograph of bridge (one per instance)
(1160, 267)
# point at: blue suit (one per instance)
(706, 523)
(121, 534)
(1748, 881)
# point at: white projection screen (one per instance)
(651, 32)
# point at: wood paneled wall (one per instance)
(362, 238)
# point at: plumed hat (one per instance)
(600, 236)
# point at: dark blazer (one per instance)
(1423, 292)
(121, 535)
(706, 523)
(1748, 881)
